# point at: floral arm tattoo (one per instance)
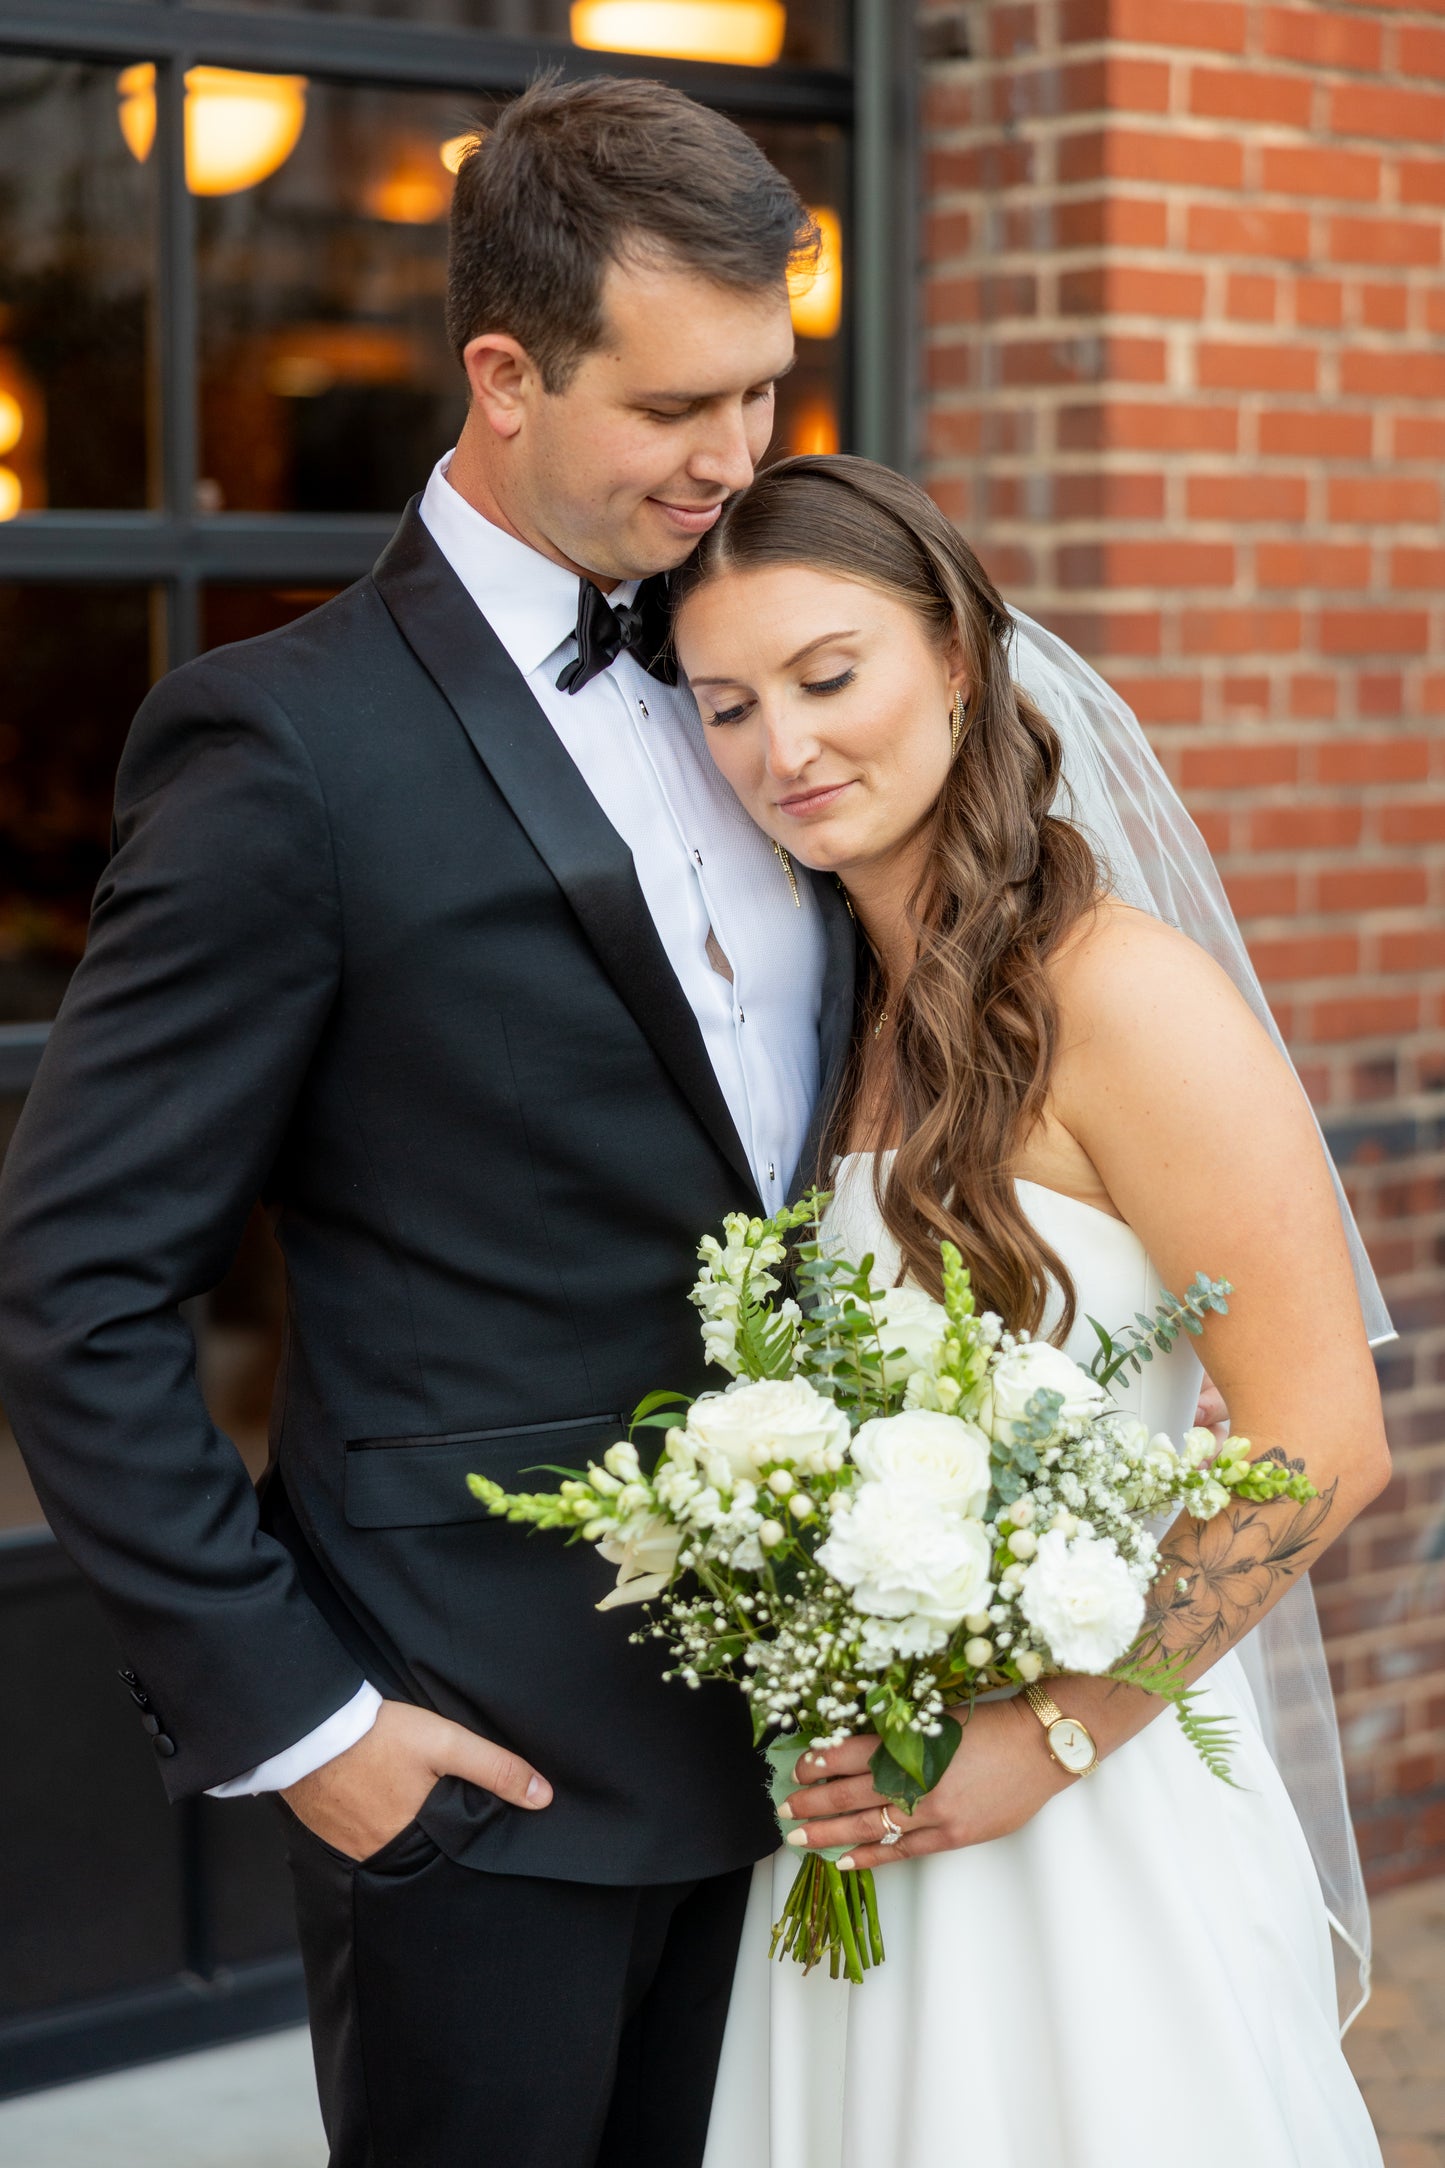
(1217, 1577)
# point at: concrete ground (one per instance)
(248, 2106)
(254, 2106)
(1396, 2045)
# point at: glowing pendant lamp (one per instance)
(239, 128)
(749, 33)
(817, 296)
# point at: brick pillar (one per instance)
(1185, 390)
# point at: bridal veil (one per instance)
(1156, 860)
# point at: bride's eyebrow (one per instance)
(827, 639)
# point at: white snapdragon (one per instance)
(1082, 1601)
(939, 1456)
(644, 1550)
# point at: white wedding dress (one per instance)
(1142, 1973)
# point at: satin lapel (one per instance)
(835, 1019)
(571, 834)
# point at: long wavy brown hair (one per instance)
(964, 1076)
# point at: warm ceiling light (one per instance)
(817, 295)
(12, 422)
(815, 428)
(11, 493)
(411, 196)
(455, 149)
(747, 32)
(239, 128)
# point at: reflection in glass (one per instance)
(77, 666)
(327, 383)
(239, 127)
(76, 276)
(241, 613)
(747, 33)
(811, 401)
(800, 33)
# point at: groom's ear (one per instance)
(503, 380)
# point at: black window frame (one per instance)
(179, 551)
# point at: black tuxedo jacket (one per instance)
(368, 948)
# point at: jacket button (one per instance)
(152, 1724)
(140, 1697)
(164, 1745)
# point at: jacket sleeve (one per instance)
(158, 1108)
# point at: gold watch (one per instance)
(1070, 1742)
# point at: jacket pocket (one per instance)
(422, 1482)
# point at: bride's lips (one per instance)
(688, 518)
(808, 802)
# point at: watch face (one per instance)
(1072, 1744)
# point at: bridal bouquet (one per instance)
(896, 1506)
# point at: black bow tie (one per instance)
(640, 626)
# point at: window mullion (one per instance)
(174, 372)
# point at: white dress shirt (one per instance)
(703, 867)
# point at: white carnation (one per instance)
(912, 1328)
(1081, 1600)
(1037, 1366)
(898, 1554)
(943, 1457)
(786, 1418)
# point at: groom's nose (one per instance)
(723, 457)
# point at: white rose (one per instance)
(1082, 1601)
(644, 1551)
(941, 1456)
(912, 1327)
(1033, 1367)
(788, 1418)
(899, 1556)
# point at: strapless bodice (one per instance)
(1112, 1273)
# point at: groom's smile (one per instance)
(621, 469)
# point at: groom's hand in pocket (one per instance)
(363, 1798)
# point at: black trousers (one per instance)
(468, 2020)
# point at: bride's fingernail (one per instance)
(796, 1836)
(844, 1865)
(785, 1812)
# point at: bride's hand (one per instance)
(998, 1779)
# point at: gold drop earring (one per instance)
(956, 717)
(787, 865)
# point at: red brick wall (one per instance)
(1185, 388)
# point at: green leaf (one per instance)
(651, 1402)
(893, 1782)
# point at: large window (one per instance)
(223, 368)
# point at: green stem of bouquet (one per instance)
(832, 1915)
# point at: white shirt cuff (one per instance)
(339, 1731)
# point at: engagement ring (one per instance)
(891, 1831)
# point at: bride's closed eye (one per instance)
(830, 685)
(821, 686)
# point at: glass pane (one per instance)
(327, 384)
(800, 33)
(77, 666)
(76, 279)
(811, 412)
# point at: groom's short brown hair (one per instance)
(575, 175)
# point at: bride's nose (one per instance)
(790, 742)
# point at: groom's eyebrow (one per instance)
(701, 398)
